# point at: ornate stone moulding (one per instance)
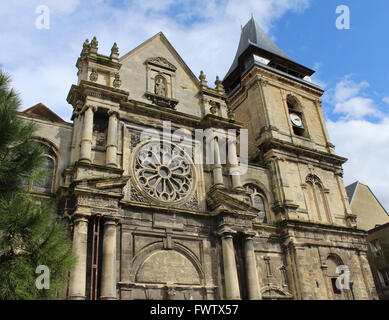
(161, 62)
(163, 173)
(161, 100)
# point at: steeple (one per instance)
(255, 47)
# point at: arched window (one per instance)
(256, 198)
(336, 267)
(317, 200)
(296, 116)
(48, 169)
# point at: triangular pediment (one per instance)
(155, 58)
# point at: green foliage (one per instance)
(31, 233)
(19, 153)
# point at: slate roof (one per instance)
(252, 34)
(351, 190)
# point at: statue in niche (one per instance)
(160, 86)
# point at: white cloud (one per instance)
(349, 99)
(347, 89)
(42, 62)
(366, 146)
(357, 107)
(363, 142)
(386, 100)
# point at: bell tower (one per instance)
(274, 97)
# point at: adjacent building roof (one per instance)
(351, 190)
(43, 112)
(370, 212)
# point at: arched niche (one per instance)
(177, 266)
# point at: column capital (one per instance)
(80, 218)
(249, 235)
(89, 106)
(113, 113)
(110, 220)
(225, 232)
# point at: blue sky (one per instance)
(351, 65)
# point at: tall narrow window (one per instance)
(46, 183)
(296, 117)
(317, 201)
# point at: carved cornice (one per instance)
(161, 101)
(78, 94)
(161, 62)
(277, 144)
(220, 201)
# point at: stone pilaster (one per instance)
(112, 139)
(230, 271)
(75, 143)
(87, 133)
(251, 268)
(78, 275)
(108, 274)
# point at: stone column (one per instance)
(234, 164)
(112, 139)
(75, 146)
(108, 274)
(251, 268)
(87, 132)
(217, 167)
(229, 264)
(77, 284)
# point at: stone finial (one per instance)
(85, 48)
(115, 51)
(202, 78)
(94, 46)
(219, 85)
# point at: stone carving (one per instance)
(94, 76)
(161, 100)
(136, 196)
(135, 139)
(192, 203)
(117, 82)
(160, 86)
(115, 51)
(162, 62)
(171, 293)
(164, 172)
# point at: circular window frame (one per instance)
(141, 189)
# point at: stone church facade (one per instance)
(185, 228)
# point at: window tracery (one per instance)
(164, 171)
(256, 199)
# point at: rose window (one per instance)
(164, 171)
